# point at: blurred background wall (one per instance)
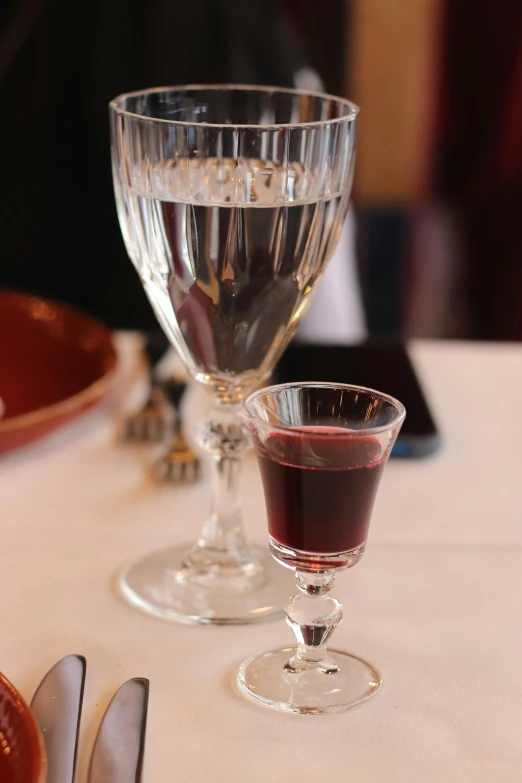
(438, 191)
(439, 172)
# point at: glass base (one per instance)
(264, 679)
(159, 585)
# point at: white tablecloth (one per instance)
(436, 602)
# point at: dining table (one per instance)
(435, 603)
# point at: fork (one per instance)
(179, 464)
(150, 423)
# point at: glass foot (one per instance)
(159, 585)
(264, 679)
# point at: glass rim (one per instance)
(350, 114)
(398, 418)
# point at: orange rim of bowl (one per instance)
(81, 399)
(34, 733)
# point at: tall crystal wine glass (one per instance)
(322, 449)
(231, 200)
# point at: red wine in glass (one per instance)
(320, 485)
(322, 449)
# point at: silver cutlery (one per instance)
(180, 463)
(117, 755)
(150, 423)
(57, 705)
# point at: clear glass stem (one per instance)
(223, 530)
(221, 557)
(313, 616)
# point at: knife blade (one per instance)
(57, 705)
(117, 755)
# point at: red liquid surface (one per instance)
(320, 488)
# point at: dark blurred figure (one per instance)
(481, 119)
(60, 63)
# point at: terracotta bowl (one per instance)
(22, 756)
(55, 362)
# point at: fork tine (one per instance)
(179, 464)
(148, 425)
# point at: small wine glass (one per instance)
(322, 449)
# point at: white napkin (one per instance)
(336, 313)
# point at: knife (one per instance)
(57, 706)
(117, 756)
